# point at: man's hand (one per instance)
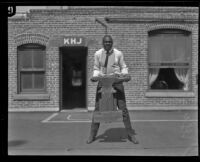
(123, 77)
(101, 74)
(94, 79)
(116, 73)
(126, 77)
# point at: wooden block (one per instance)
(107, 101)
(107, 116)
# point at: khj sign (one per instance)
(67, 41)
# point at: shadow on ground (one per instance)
(113, 135)
(16, 143)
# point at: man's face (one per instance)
(107, 43)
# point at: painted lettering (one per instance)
(80, 41)
(73, 40)
(66, 40)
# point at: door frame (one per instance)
(60, 51)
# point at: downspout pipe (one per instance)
(103, 24)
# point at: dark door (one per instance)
(73, 77)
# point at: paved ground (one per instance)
(168, 133)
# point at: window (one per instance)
(31, 68)
(169, 60)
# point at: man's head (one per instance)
(107, 42)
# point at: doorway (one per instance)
(73, 77)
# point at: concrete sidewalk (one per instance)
(160, 133)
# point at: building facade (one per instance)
(51, 56)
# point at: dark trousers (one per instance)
(121, 103)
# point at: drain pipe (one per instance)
(104, 25)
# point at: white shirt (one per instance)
(115, 64)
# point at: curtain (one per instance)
(153, 74)
(183, 76)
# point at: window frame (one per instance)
(170, 65)
(32, 70)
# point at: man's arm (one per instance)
(124, 68)
(97, 69)
(96, 65)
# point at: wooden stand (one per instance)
(108, 111)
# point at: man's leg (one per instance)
(121, 103)
(94, 126)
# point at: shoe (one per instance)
(133, 139)
(90, 140)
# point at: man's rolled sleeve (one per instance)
(124, 68)
(96, 65)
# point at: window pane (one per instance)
(39, 80)
(181, 49)
(38, 59)
(154, 49)
(26, 81)
(26, 59)
(167, 45)
(169, 48)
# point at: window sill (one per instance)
(32, 97)
(169, 94)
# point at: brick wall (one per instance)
(131, 37)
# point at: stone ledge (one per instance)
(91, 109)
(115, 10)
(27, 109)
(156, 108)
(149, 20)
(169, 94)
(32, 97)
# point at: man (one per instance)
(110, 60)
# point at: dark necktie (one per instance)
(106, 61)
